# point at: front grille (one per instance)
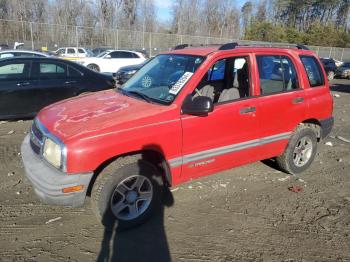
(35, 148)
(36, 138)
(36, 131)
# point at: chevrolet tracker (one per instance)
(185, 114)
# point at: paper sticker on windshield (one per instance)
(180, 83)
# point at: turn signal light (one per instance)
(72, 189)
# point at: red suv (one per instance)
(187, 113)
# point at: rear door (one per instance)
(54, 82)
(282, 103)
(16, 88)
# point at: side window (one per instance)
(217, 72)
(6, 55)
(81, 51)
(114, 54)
(135, 55)
(13, 71)
(70, 51)
(52, 71)
(313, 70)
(61, 51)
(226, 80)
(73, 73)
(126, 55)
(277, 74)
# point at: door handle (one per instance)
(298, 100)
(70, 82)
(23, 84)
(247, 110)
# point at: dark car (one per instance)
(126, 72)
(27, 84)
(343, 71)
(330, 67)
(4, 46)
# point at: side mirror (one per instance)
(108, 57)
(199, 106)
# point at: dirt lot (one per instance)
(244, 214)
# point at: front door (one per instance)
(228, 136)
(16, 88)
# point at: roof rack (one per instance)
(233, 45)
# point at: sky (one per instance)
(164, 9)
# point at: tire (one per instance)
(303, 142)
(330, 75)
(93, 67)
(116, 186)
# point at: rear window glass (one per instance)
(313, 70)
(277, 74)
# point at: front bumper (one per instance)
(48, 181)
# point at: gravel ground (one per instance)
(243, 214)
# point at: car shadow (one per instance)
(147, 242)
(343, 88)
(272, 163)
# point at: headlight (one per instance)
(52, 152)
(131, 72)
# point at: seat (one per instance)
(228, 95)
(207, 90)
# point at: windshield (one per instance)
(162, 78)
(102, 54)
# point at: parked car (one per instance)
(4, 46)
(344, 71)
(126, 72)
(330, 67)
(125, 145)
(73, 52)
(27, 84)
(16, 53)
(110, 61)
(99, 50)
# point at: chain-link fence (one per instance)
(52, 36)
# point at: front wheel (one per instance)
(300, 152)
(127, 192)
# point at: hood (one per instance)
(131, 67)
(99, 113)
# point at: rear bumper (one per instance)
(326, 126)
(48, 182)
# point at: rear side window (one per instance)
(277, 74)
(126, 55)
(313, 70)
(52, 71)
(73, 73)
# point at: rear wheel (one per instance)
(300, 152)
(127, 192)
(94, 67)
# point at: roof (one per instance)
(206, 50)
(21, 51)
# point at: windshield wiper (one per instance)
(139, 94)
